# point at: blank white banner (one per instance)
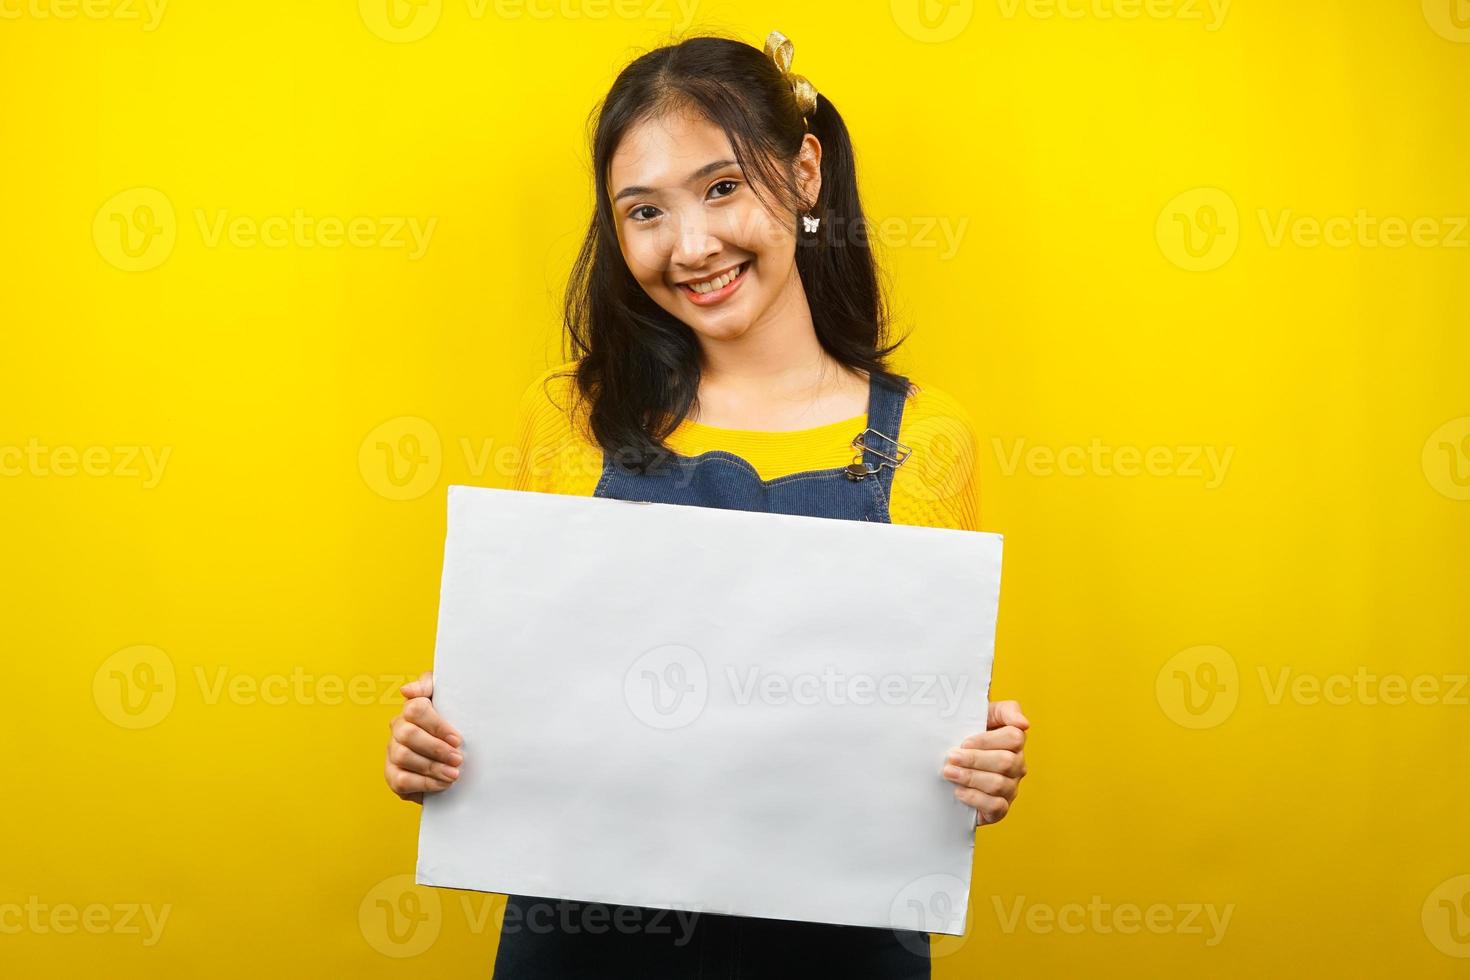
(709, 710)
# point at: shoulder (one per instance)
(932, 412)
(551, 406)
(552, 389)
(938, 484)
(556, 451)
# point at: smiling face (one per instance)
(693, 232)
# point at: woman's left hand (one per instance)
(987, 768)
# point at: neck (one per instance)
(779, 355)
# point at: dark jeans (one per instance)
(553, 939)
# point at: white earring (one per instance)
(809, 223)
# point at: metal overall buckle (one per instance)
(859, 470)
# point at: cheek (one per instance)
(645, 260)
(757, 231)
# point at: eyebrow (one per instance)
(703, 171)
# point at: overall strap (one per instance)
(885, 416)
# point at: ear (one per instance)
(809, 169)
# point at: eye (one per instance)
(647, 212)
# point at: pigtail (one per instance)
(836, 262)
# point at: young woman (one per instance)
(730, 342)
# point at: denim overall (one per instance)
(553, 939)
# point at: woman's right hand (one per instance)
(423, 754)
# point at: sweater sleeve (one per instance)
(552, 453)
(939, 485)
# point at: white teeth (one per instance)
(718, 282)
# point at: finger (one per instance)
(404, 757)
(406, 783)
(988, 809)
(421, 712)
(989, 783)
(424, 744)
(1002, 761)
(1006, 713)
(421, 688)
(1010, 738)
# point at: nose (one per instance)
(693, 244)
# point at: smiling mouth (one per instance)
(713, 290)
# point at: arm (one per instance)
(943, 490)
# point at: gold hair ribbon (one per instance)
(780, 50)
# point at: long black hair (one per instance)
(638, 366)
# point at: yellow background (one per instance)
(1146, 619)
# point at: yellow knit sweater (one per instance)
(936, 487)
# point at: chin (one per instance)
(720, 331)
